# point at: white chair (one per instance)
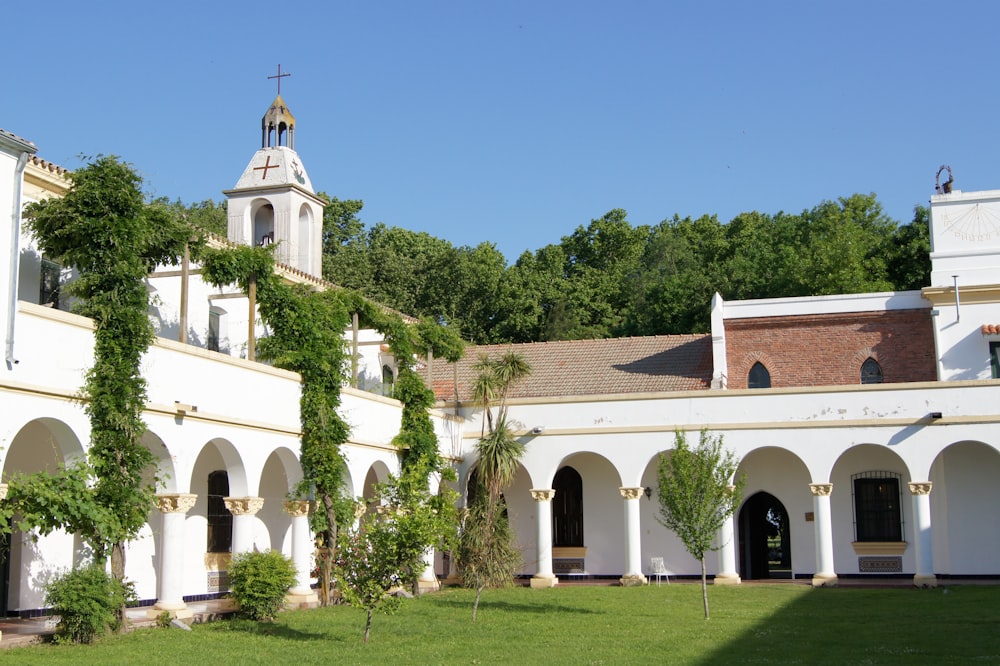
(659, 569)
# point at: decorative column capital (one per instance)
(298, 508)
(175, 502)
(631, 493)
(821, 489)
(241, 506)
(542, 494)
(921, 488)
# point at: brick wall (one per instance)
(828, 349)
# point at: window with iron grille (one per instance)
(220, 521)
(995, 359)
(567, 508)
(877, 501)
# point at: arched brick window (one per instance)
(871, 372)
(758, 377)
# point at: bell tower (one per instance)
(274, 201)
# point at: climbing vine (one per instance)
(105, 230)
(306, 336)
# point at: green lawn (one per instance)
(591, 625)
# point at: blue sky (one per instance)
(515, 122)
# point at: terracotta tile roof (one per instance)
(592, 367)
(49, 166)
(990, 329)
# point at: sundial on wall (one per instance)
(978, 223)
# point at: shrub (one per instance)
(259, 583)
(88, 601)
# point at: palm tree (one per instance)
(487, 553)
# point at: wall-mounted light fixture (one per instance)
(935, 415)
(648, 492)
(538, 430)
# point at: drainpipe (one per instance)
(15, 236)
(958, 302)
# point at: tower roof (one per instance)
(278, 113)
(273, 167)
(277, 127)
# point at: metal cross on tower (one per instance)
(280, 76)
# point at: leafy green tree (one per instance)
(367, 567)
(345, 246)
(909, 261)
(671, 290)
(104, 229)
(697, 494)
(844, 247)
(598, 259)
(206, 215)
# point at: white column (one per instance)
(170, 592)
(633, 538)
(543, 514)
(301, 593)
(428, 581)
(823, 521)
(922, 535)
(727, 574)
(243, 510)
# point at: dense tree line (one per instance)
(610, 278)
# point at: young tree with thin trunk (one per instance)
(697, 494)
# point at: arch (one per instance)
(777, 482)
(43, 444)
(165, 472)
(764, 538)
(601, 508)
(279, 478)
(567, 508)
(262, 225)
(871, 371)
(217, 338)
(305, 237)
(758, 377)
(378, 472)
(964, 520)
(859, 466)
(142, 560)
(217, 457)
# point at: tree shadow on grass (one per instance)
(272, 629)
(540, 609)
(841, 625)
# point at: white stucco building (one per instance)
(866, 425)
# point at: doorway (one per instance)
(765, 543)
